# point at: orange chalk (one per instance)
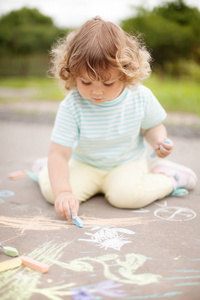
(17, 174)
(34, 264)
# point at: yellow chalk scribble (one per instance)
(124, 265)
(47, 223)
(55, 292)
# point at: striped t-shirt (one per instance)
(107, 135)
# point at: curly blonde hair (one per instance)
(96, 47)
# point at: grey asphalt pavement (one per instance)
(127, 254)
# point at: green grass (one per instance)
(174, 95)
(45, 89)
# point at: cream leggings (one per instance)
(126, 186)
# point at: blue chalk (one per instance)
(78, 222)
(167, 142)
(33, 176)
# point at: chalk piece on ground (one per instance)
(78, 222)
(33, 176)
(34, 264)
(17, 174)
(10, 251)
(10, 264)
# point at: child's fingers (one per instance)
(59, 208)
(74, 211)
(66, 204)
(167, 144)
(163, 151)
(163, 148)
(66, 210)
(62, 206)
(73, 206)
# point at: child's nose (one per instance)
(97, 91)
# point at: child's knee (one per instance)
(124, 198)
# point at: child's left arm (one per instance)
(155, 137)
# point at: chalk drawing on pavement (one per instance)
(173, 213)
(116, 267)
(109, 237)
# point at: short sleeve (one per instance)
(154, 113)
(65, 129)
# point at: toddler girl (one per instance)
(98, 140)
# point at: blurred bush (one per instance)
(26, 37)
(187, 69)
(172, 34)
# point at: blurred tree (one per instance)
(171, 31)
(27, 31)
(25, 16)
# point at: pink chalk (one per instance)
(17, 174)
(34, 264)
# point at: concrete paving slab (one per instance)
(151, 253)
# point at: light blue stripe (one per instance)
(99, 123)
(63, 126)
(63, 139)
(66, 122)
(111, 132)
(99, 111)
(110, 137)
(181, 277)
(186, 271)
(169, 294)
(62, 142)
(187, 284)
(130, 104)
(123, 148)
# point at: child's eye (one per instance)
(86, 83)
(108, 84)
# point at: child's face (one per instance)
(97, 91)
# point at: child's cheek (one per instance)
(81, 90)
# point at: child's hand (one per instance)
(163, 148)
(65, 202)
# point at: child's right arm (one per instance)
(58, 159)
